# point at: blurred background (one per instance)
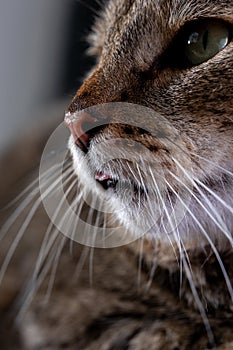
(42, 63)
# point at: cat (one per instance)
(162, 82)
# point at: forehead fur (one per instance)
(148, 25)
(171, 9)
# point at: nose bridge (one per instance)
(97, 89)
(103, 86)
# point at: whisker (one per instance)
(180, 245)
(149, 213)
(221, 226)
(215, 196)
(81, 262)
(9, 222)
(140, 261)
(191, 283)
(32, 185)
(199, 304)
(166, 212)
(43, 252)
(104, 226)
(23, 228)
(153, 268)
(54, 269)
(211, 243)
(43, 256)
(217, 166)
(75, 225)
(18, 239)
(91, 264)
(38, 277)
(29, 292)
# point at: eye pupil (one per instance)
(205, 39)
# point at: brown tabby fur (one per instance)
(135, 301)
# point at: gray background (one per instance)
(41, 60)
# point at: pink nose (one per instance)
(78, 125)
(83, 127)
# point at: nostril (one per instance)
(89, 127)
(92, 128)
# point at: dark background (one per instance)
(76, 62)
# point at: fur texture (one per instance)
(165, 291)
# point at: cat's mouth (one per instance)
(108, 182)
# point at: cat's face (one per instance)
(175, 57)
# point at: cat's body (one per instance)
(116, 311)
(169, 290)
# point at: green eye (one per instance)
(204, 39)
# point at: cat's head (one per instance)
(174, 60)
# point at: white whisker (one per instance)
(140, 260)
(31, 197)
(167, 214)
(217, 166)
(38, 277)
(45, 247)
(215, 196)
(211, 243)
(180, 245)
(18, 238)
(91, 265)
(33, 184)
(27, 297)
(192, 285)
(81, 262)
(218, 220)
(199, 303)
(54, 269)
